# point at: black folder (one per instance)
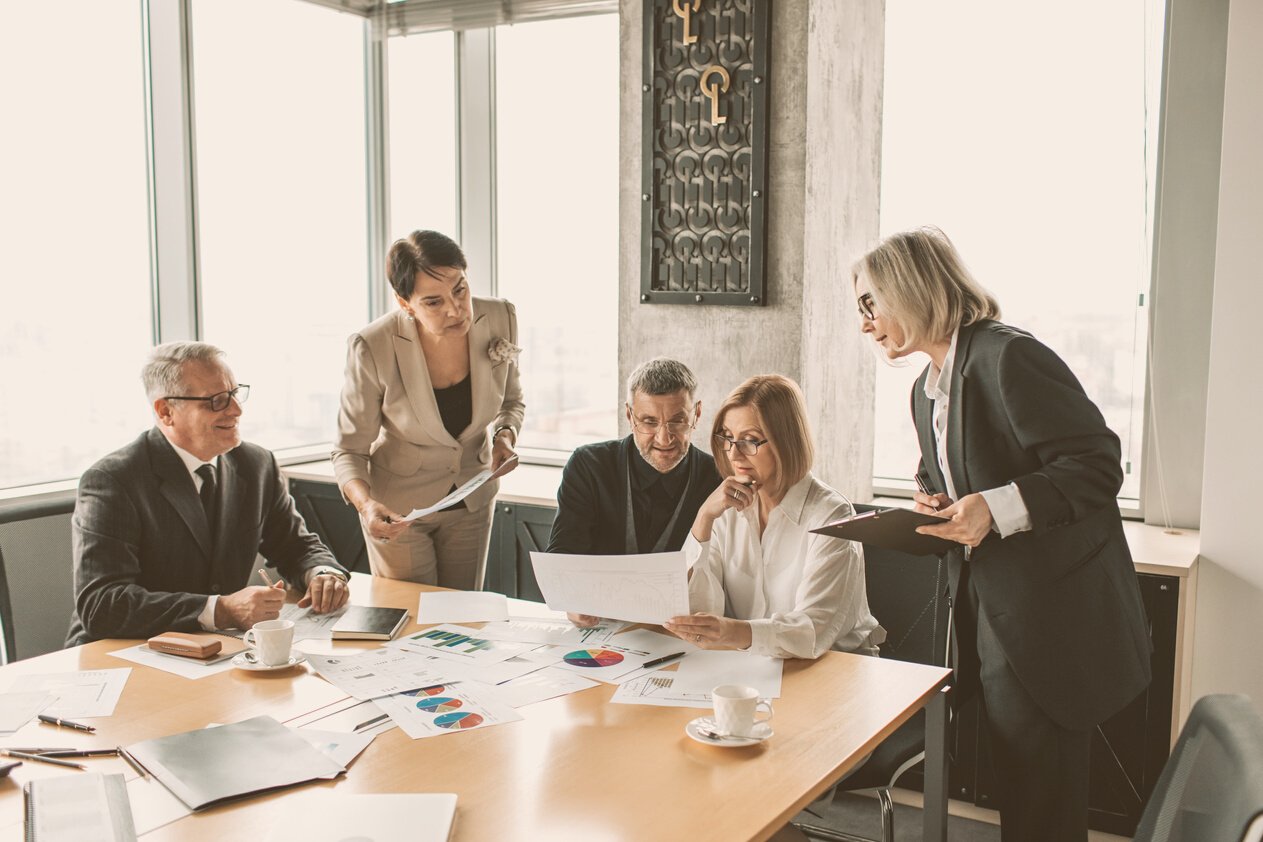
(890, 529)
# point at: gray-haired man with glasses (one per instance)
(639, 494)
(166, 530)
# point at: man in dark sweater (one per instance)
(639, 494)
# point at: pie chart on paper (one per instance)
(438, 704)
(456, 721)
(594, 658)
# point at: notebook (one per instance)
(329, 817)
(79, 806)
(364, 623)
(210, 765)
(890, 529)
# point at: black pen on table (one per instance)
(65, 723)
(662, 660)
(39, 758)
(79, 752)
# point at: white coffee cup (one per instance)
(735, 706)
(270, 641)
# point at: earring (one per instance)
(411, 318)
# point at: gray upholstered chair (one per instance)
(8, 645)
(1211, 789)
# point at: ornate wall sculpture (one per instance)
(704, 174)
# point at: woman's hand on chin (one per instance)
(708, 631)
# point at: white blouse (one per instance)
(802, 593)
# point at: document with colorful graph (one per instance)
(463, 644)
(445, 709)
(623, 654)
(378, 672)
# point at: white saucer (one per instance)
(241, 663)
(760, 733)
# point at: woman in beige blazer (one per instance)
(431, 398)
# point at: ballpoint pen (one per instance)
(39, 758)
(263, 573)
(133, 762)
(79, 752)
(65, 723)
(661, 660)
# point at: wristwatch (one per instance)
(501, 429)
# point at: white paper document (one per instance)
(85, 693)
(547, 683)
(461, 607)
(626, 653)
(17, 709)
(339, 747)
(378, 672)
(645, 588)
(551, 632)
(476, 482)
(334, 817)
(348, 716)
(705, 669)
(658, 690)
(174, 664)
(308, 625)
(446, 709)
(461, 643)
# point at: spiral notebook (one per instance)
(71, 808)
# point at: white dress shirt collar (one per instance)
(192, 463)
(938, 384)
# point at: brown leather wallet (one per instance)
(200, 646)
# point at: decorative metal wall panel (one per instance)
(704, 164)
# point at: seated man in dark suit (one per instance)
(167, 529)
(639, 494)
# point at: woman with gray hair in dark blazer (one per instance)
(1047, 613)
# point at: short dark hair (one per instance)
(421, 251)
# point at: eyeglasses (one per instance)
(866, 305)
(218, 402)
(748, 447)
(651, 426)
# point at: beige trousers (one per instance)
(448, 549)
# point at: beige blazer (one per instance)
(390, 433)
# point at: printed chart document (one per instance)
(17, 709)
(329, 817)
(85, 693)
(446, 709)
(462, 643)
(705, 669)
(549, 631)
(478, 480)
(376, 673)
(659, 690)
(644, 588)
(547, 683)
(626, 653)
(461, 607)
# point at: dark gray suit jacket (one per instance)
(1062, 598)
(145, 560)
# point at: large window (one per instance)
(557, 220)
(74, 244)
(282, 204)
(1026, 132)
(423, 132)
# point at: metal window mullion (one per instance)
(377, 158)
(172, 184)
(475, 105)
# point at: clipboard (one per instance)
(890, 529)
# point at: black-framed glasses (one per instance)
(651, 426)
(218, 402)
(866, 305)
(748, 447)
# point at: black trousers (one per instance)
(1041, 768)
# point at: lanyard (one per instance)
(631, 544)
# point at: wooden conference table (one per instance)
(575, 767)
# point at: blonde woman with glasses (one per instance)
(1047, 616)
(760, 581)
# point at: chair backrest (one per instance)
(908, 596)
(1211, 789)
(8, 641)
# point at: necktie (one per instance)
(209, 487)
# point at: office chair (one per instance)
(8, 644)
(1211, 789)
(908, 596)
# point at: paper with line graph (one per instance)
(461, 643)
(645, 588)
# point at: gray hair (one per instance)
(661, 376)
(163, 373)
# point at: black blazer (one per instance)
(592, 499)
(144, 558)
(1062, 598)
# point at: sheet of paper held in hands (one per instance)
(480, 479)
(644, 588)
(550, 631)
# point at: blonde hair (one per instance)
(919, 281)
(782, 413)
